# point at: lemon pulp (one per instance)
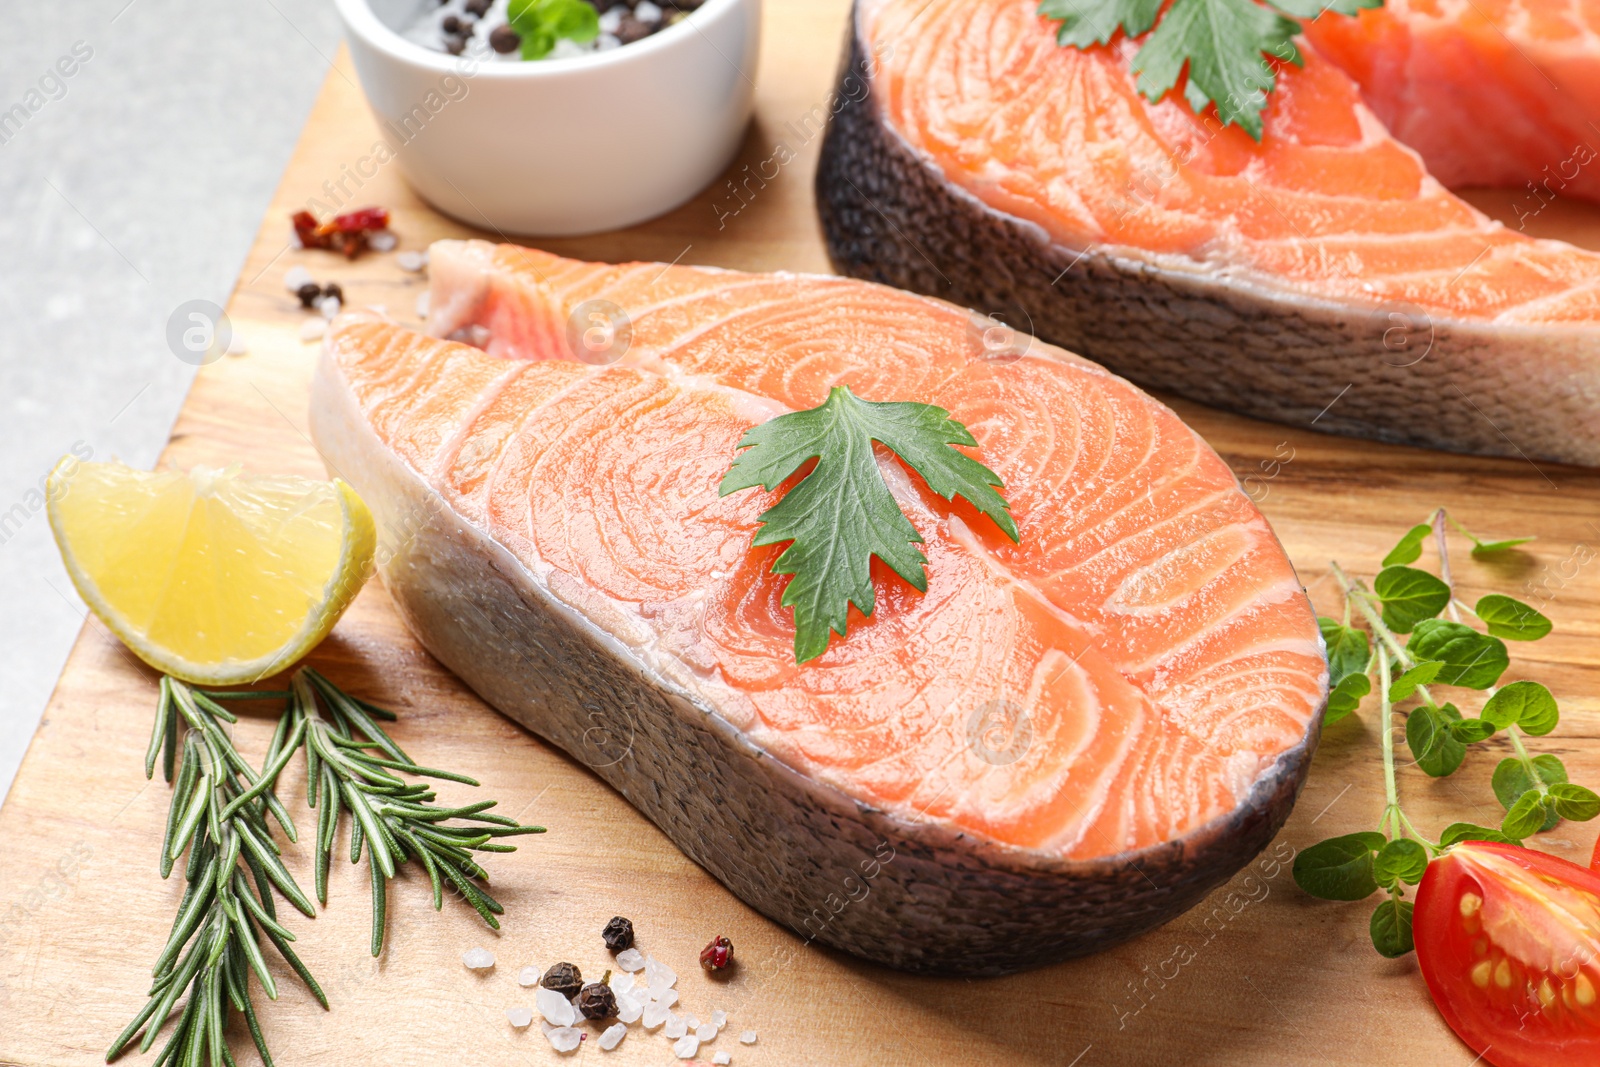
(213, 576)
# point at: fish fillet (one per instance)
(1123, 703)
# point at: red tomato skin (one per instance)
(1505, 1038)
(1594, 860)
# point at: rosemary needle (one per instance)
(218, 814)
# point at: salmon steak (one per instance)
(1496, 93)
(1320, 277)
(1063, 742)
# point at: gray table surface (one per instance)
(126, 189)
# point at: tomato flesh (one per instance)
(1508, 940)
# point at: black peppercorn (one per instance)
(618, 934)
(477, 8)
(332, 289)
(450, 24)
(504, 39)
(564, 978)
(308, 294)
(596, 1001)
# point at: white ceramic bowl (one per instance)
(561, 146)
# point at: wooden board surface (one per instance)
(1259, 973)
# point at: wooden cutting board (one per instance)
(1259, 973)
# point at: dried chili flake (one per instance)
(350, 233)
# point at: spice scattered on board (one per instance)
(351, 233)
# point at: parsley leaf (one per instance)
(841, 513)
(1221, 43)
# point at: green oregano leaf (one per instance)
(1409, 550)
(1527, 816)
(1409, 596)
(1471, 659)
(1339, 868)
(1511, 619)
(1527, 705)
(1349, 651)
(1471, 731)
(1401, 860)
(1391, 928)
(1403, 687)
(1433, 744)
(841, 514)
(1345, 697)
(1457, 832)
(1574, 802)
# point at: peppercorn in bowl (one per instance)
(510, 116)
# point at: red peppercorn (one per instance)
(717, 955)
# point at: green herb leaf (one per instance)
(1345, 697)
(1511, 619)
(541, 23)
(1489, 548)
(1512, 781)
(1471, 659)
(1471, 731)
(1221, 42)
(1349, 651)
(1086, 24)
(842, 514)
(1401, 860)
(1409, 550)
(1432, 742)
(1404, 686)
(1527, 816)
(1391, 928)
(1528, 705)
(1409, 596)
(1339, 868)
(1312, 9)
(1457, 832)
(1574, 802)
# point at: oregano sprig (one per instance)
(218, 813)
(1406, 602)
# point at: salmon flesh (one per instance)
(1061, 744)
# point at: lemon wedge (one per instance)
(213, 576)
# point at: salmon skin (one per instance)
(1499, 93)
(1061, 744)
(1319, 278)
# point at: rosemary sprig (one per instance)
(218, 813)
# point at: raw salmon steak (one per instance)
(1321, 277)
(1062, 743)
(1501, 93)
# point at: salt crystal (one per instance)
(565, 1038)
(667, 999)
(686, 1047)
(411, 261)
(607, 41)
(422, 305)
(555, 1007)
(654, 1015)
(747, 1038)
(476, 959)
(629, 1010)
(630, 959)
(567, 48)
(658, 975)
(719, 1018)
(613, 1036)
(529, 976)
(329, 306)
(295, 277)
(622, 984)
(676, 1026)
(236, 345)
(705, 1032)
(521, 1018)
(693, 1021)
(311, 330)
(645, 11)
(611, 21)
(383, 241)
(722, 1057)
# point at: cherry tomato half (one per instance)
(1508, 940)
(1594, 859)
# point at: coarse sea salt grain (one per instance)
(645, 11)
(613, 1036)
(676, 1026)
(295, 277)
(686, 1046)
(555, 1007)
(629, 1010)
(666, 998)
(630, 959)
(654, 1015)
(476, 959)
(747, 1038)
(411, 261)
(719, 1018)
(422, 305)
(529, 976)
(329, 306)
(521, 1018)
(722, 1057)
(565, 1038)
(383, 241)
(236, 345)
(311, 330)
(658, 975)
(705, 1032)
